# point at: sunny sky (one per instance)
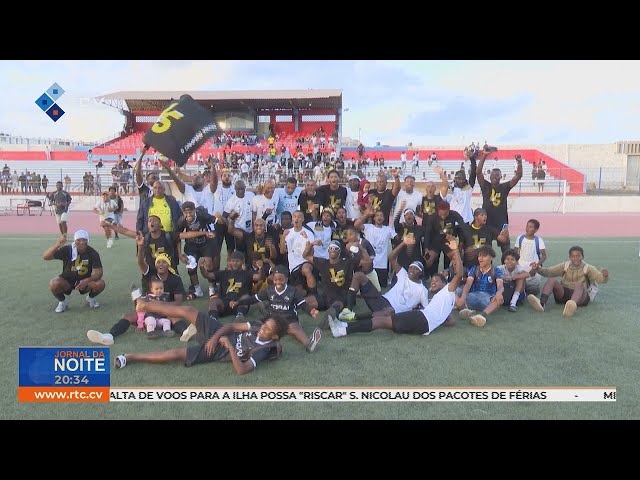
(394, 102)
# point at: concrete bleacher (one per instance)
(55, 171)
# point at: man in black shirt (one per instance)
(477, 234)
(309, 201)
(336, 274)
(61, 200)
(257, 241)
(436, 229)
(81, 270)
(243, 344)
(198, 220)
(382, 198)
(494, 197)
(282, 302)
(235, 282)
(332, 195)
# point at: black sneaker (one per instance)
(154, 334)
(512, 308)
(168, 333)
(314, 340)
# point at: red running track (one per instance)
(551, 224)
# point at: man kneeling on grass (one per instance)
(243, 344)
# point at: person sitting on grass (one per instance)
(576, 288)
(244, 344)
(483, 288)
(513, 278)
(422, 321)
(148, 320)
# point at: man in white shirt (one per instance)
(294, 242)
(353, 209)
(323, 231)
(379, 235)
(407, 293)
(265, 204)
(198, 193)
(241, 202)
(403, 161)
(408, 197)
(422, 321)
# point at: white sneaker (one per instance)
(101, 338)
(93, 303)
(338, 328)
(110, 242)
(189, 332)
(198, 291)
(62, 306)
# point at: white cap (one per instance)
(81, 234)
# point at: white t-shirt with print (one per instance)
(243, 206)
(261, 203)
(406, 294)
(296, 243)
(439, 308)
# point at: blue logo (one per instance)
(47, 102)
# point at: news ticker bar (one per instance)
(442, 394)
(350, 394)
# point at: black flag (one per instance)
(182, 128)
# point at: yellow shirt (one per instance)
(160, 208)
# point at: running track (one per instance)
(551, 224)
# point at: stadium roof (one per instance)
(229, 99)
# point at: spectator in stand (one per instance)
(542, 174)
(360, 151)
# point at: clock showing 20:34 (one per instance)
(70, 380)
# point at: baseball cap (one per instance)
(354, 177)
(334, 244)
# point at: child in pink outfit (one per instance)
(148, 320)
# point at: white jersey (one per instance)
(203, 198)
(528, 253)
(460, 201)
(243, 207)
(320, 232)
(353, 209)
(517, 270)
(412, 200)
(406, 294)
(296, 243)
(261, 203)
(286, 202)
(379, 240)
(104, 209)
(221, 197)
(439, 308)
